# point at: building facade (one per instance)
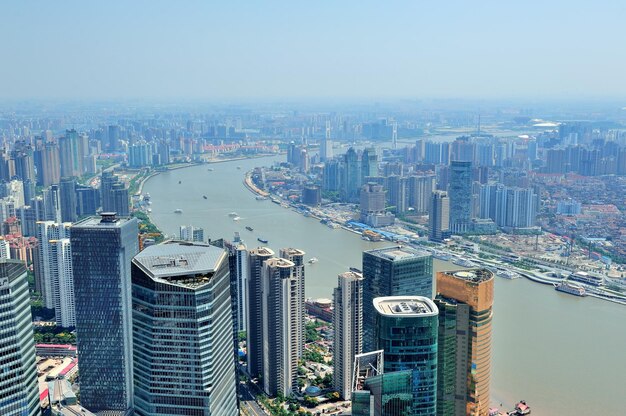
(19, 391)
(460, 193)
(102, 250)
(439, 216)
(182, 324)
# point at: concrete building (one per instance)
(239, 270)
(102, 250)
(373, 206)
(465, 301)
(182, 326)
(406, 330)
(282, 326)
(393, 271)
(254, 334)
(439, 216)
(348, 326)
(191, 233)
(420, 189)
(19, 392)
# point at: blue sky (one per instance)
(318, 49)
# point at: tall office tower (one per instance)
(87, 200)
(351, 180)
(369, 164)
(238, 256)
(54, 270)
(191, 233)
(281, 340)
(373, 206)
(120, 199)
(439, 217)
(52, 203)
(460, 194)
(407, 329)
(102, 250)
(465, 301)
(107, 180)
(182, 326)
(114, 138)
(296, 256)
(164, 152)
(332, 176)
(326, 146)
(19, 391)
(348, 326)
(254, 334)
(70, 154)
(51, 165)
(24, 161)
(420, 189)
(67, 189)
(393, 271)
(397, 193)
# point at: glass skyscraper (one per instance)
(407, 330)
(182, 331)
(460, 193)
(393, 271)
(19, 392)
(388, 394)
(102, 250)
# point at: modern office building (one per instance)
(393, 271)
(385, 394)
(407, 330)
(373, 206)
(67, 189)
(182, 326)
(281, 335)
(439, 216)
(87, 200)
(351, 178)
(460, 193)
(19, 391)
(254, 334)
(239, 270)
(102, 250)
(465, 301)
(348, 327)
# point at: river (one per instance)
(564, 355)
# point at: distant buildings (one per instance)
(373, 206)
(182, 326)
(191, 233)
(19, 391)
(465, 301)
(348, 327)
(392, 271)
(439, 217)
(102, 249)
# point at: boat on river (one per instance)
(262, 240)
(572, 289)
(178, 211)
(249, 228)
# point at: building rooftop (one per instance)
(279, 262)
(405, 306)
(471, 275)
(261, 251)
(398, 253)
(106, 219)
(180, 262)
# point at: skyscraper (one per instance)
(102, 250)
(182, 325)
(465, 301)
(439, 216)
(406, 329)
(460, 194)
(393, 271)
(351, 180)
(239, 270)
(67, 190)
(19, 392)
(282, 326)
(54, 270)
(373, 206)
(51, 165)
(254, 341)
(326, 146)
(420, 189)
(348, 326)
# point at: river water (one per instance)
(564, 355)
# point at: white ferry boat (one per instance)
(463, 263)
(313, 260)
(508, 274)
(236, 218)
(570, 288)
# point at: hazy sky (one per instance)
(327, 49)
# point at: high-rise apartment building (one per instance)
(191, 233)
(460, 193)
(102, 250)
(465, 301)
(393, 271)
(282, 326)
(67, 189)
(254, 341)
(439, 216)
(348, 327)
(326, 145)
(373, 206)
(51, 165)
(420, 189)
(239, 270)
(182, 326)
(19, 391)
(406, 330)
